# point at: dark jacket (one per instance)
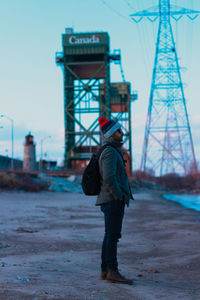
(114, 183)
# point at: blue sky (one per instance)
(31, 84)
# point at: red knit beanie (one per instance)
(108, 127)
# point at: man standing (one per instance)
(115, 193)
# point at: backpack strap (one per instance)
(105, 146)
(98, 154)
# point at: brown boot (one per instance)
(116, 277)
(103, 275)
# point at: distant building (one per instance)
(5, 163)
(47, 165)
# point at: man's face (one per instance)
(117, 135)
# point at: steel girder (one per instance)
(82, 98)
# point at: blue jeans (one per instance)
(113, 216)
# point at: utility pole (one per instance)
(41, 155)
(12, 139)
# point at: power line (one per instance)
(115, 11)
(129, 5)
(146, 59)
(122, 72)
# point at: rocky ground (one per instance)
(50, 248)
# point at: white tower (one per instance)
(29, 163)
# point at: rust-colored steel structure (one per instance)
(88, 94)
(120, 103)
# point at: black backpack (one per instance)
(91, 180)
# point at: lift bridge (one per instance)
(89, 94)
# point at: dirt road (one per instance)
(50, 249)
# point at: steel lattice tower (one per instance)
(168, 145)
(89, 94)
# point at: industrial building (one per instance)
(89, 94)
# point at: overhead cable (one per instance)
(128, 3)
(115, 11)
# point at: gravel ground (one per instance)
(50, 248)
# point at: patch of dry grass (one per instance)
(21, 181)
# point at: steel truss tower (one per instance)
(168, 146)
(89, 94)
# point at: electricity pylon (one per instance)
(168, 145)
